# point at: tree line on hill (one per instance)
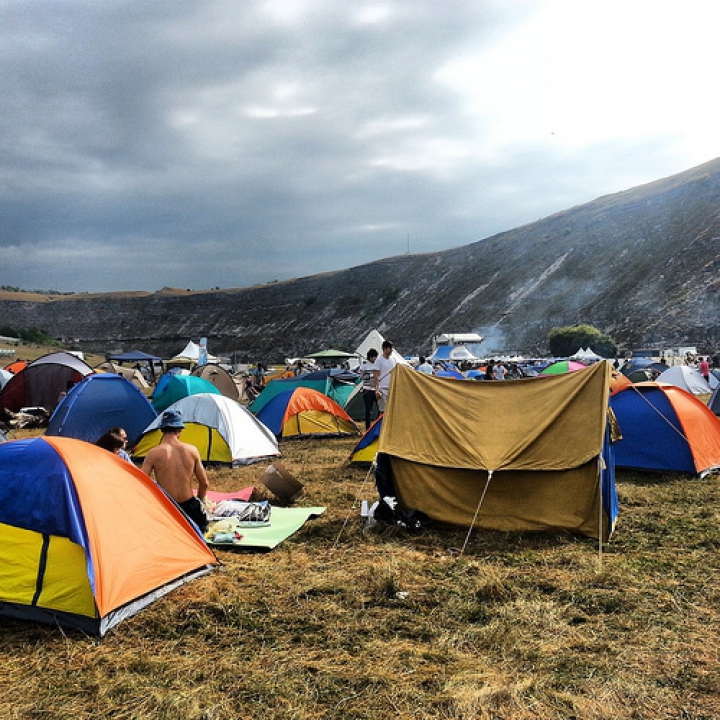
(31, 335)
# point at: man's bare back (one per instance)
(175, 464)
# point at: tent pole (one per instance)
(477, 511)
(600, 515)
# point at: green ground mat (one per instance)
(283, 523)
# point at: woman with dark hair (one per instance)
(115, 440)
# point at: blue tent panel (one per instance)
(372, 434)
(611, 505)
(653, 438)
(55, 506)
(274, 411)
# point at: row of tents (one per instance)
(322, 403)
(85, 404)
(524, 455)
(74, 549)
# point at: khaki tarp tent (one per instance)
(523, 455)
(220, 378)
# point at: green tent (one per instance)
(330, 355)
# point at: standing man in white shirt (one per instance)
(369, 375)
(384, 364)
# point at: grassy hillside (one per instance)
(641, 265)
(342, 622)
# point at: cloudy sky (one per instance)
(201, 144)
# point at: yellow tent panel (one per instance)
(65, 585)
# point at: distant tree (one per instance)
(566, 341)
(7, 331)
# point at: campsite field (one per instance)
(383, 624)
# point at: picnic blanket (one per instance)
(283, 523)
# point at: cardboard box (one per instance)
(282, 483)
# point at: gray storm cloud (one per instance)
(190, 144)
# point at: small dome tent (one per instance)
(42, 382)
(220, 378)
(97, 403)
(687, 378)
(220, 428)
(665, 428)
(173, 387)
(338, 384)
(303, 412)
(75, 551)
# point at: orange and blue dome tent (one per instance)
(86, 538)
(304, 412)
(666, 429)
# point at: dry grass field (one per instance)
(345, 622)
(32, 351)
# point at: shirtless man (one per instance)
(174, 464)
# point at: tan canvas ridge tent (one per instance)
(520, 455)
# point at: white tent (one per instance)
(688, 379)
(4, 377)
(586, 355)
(192, 352)
(375, 340)
(221, 429)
